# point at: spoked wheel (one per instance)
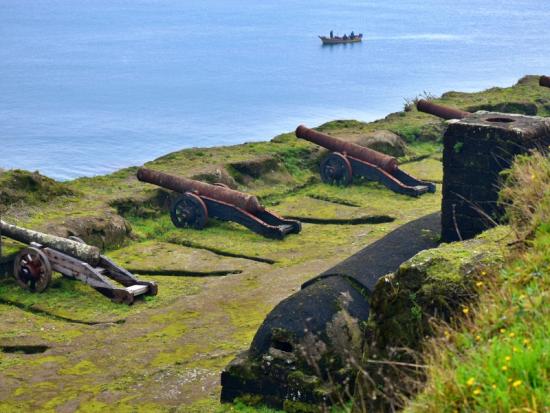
(189, 211)
(335, 169)
(33, 270)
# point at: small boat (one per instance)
(340, 40)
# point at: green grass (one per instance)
(499, 360)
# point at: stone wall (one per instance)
(476, 150)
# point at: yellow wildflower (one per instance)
(510, 380)
(512, 335)
(471, 381)
(516, 383)
(504, 368)
(508, 358)
(502, 330)
(483, 273)
(494, 386)
(526, 341)
(479, 284)
(477, 391)
(478, 338)
(515, 349)
(465, 310)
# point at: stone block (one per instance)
(476, 150)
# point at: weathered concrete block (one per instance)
(476, 150)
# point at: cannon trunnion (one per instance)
(200, 201)
(349, 160)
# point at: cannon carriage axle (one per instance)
(200, 201)
(349, 160)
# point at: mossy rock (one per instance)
(382, 141)
(434, 285)
(269, 169)
(106, 231)
(31, 188)
(216, 175)
(524, 108)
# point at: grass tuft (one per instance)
(498, 359)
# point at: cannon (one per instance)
(544, 81)
(348, 160)
(441, 111)
(34, 264)
(199, 201)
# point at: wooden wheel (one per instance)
(189, 211)
(335, 169)
(33, 270)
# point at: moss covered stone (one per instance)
(23, 187)
(435, 284)
(435, 287)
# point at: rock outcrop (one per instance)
(412, 304)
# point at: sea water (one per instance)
(88, 87)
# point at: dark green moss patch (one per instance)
(524, 108)
(18, 186)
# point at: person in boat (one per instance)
(352, 35)
(331, 34)
(345, 37)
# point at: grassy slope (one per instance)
(152, 332)
(499, 360)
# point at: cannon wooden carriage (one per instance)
(34, 264)
(544, 81)
(349, 160)
(200, 201)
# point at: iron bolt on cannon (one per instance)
(349, 159)
(200, 200)
(544, 81)
(73, 258)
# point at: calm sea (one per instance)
(88, 87)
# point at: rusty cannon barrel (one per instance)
(544, 81)
(441, 111)
(176, 183)
(81, 251)
(387, 163)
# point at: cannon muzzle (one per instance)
(441, 111)
(176, 183)
(81, 251)
(387, 163)
(544, 81)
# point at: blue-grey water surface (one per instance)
(88, 87)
